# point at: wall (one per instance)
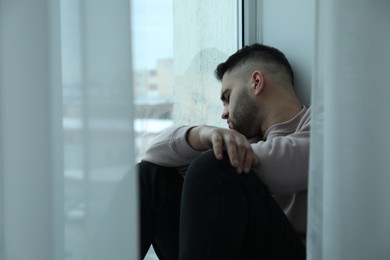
(289, 26)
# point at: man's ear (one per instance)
(258, 82)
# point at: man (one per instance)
(243, 194)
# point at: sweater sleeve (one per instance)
(170, 148)
(283, 157)
(284, 161)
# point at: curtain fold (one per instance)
(350, 163)
(67, 182)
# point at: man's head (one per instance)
(257, 89)
(269, 58)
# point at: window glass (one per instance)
(176, 48)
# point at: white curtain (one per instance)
(66, 139)
(349, 208)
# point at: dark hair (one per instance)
(258, 52)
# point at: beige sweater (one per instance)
(283, 155)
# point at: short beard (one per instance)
(244, 114)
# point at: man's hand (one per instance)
(219, 139)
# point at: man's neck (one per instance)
(281, 114)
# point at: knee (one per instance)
(206, 166)
(145, 166)
(148, 168)
(205, 161)
(205, 157)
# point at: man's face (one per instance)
(240, 108)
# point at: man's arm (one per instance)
(170, 148)
(284, 162)
(236, 145)
(178, 146)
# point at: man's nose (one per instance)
(225, 114)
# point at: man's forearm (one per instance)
(170, 148)
(221, 139)
(193, 138)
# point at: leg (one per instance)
(229, 216)
(160, 195)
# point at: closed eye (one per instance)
(225, 97)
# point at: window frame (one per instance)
(250, 22)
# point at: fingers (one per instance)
(236, 145)
(245, 155)
(240, 152)
(217, 143)
(231, 149)
(250, 161)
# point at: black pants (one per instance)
(212, 213)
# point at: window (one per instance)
(176, 48)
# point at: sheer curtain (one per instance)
(349, 172)
(67, 183)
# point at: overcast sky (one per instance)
(152, 32)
